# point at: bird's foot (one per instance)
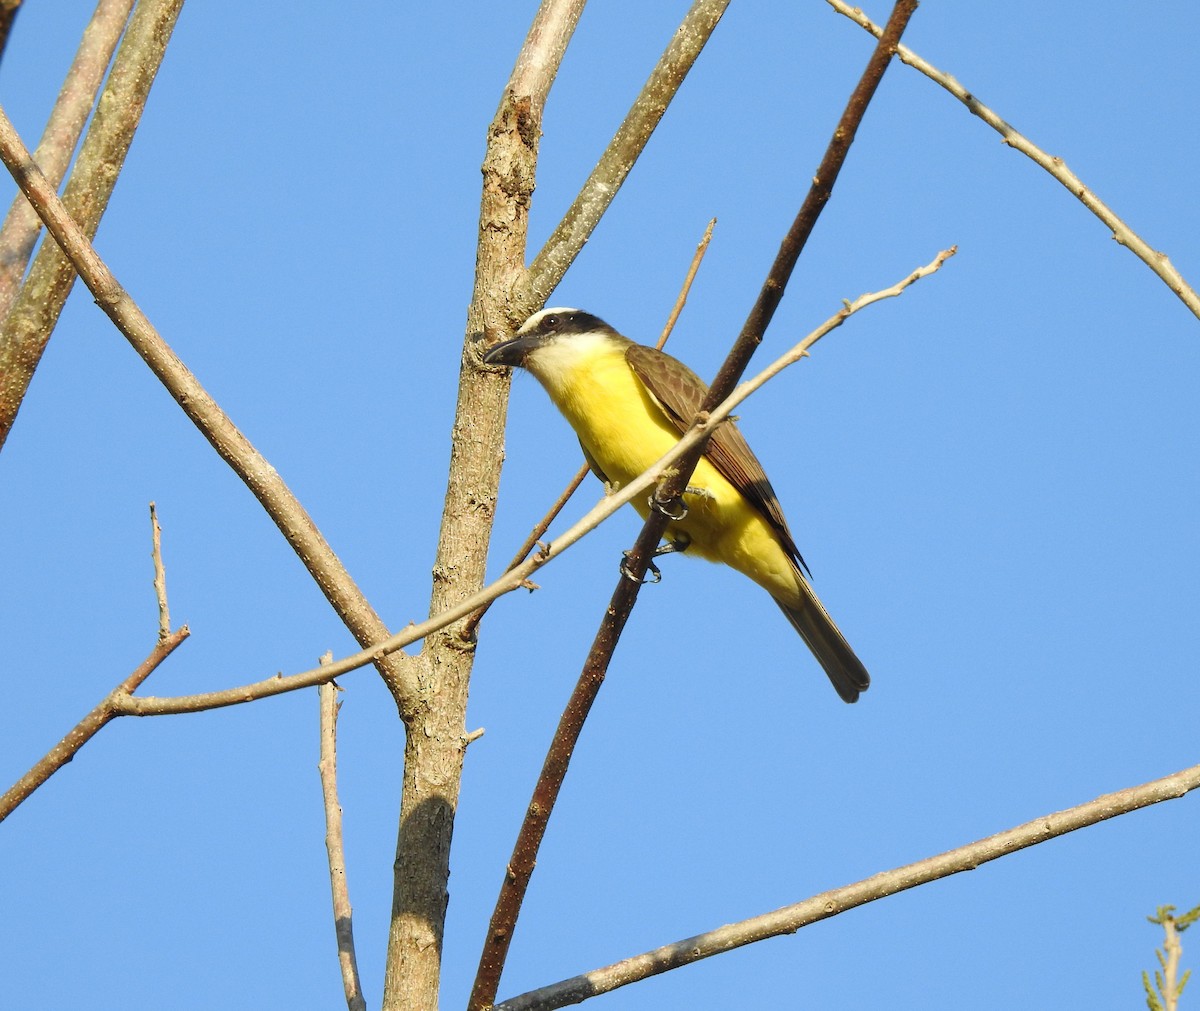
(677, 509)
(653, 575)
(680, 542)
(674, 510)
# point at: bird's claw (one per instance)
(681, 509)
(653, 575)
(680, 542)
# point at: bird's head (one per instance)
(555, 327)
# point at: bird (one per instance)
(629, 404)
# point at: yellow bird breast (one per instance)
(624, 430)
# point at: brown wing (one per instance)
(680, 392)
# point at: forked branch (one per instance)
(111, 706)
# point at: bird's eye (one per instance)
(552, 321)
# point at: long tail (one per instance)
(827, 643)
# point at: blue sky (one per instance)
(993, 478)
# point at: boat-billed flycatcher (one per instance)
(629, 404)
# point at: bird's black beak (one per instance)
(511, 352)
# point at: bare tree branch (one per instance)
(789, 919)
(342, 914)
(1123, 234)
(111, 705)
(34, 314)
(89, 726)
(545, 793)
(63, 130)
(233, 447)
(623, 150)
(436, 738)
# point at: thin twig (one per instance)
(686, 288)
(531, 541)
(623, 150)
(1121, 232)
(60, 138)
(1172, 953)
(259, 476)
(160, 575)
(34, 314)
(87, 728)
(545, 793)
(789, 919)
(343, 920)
